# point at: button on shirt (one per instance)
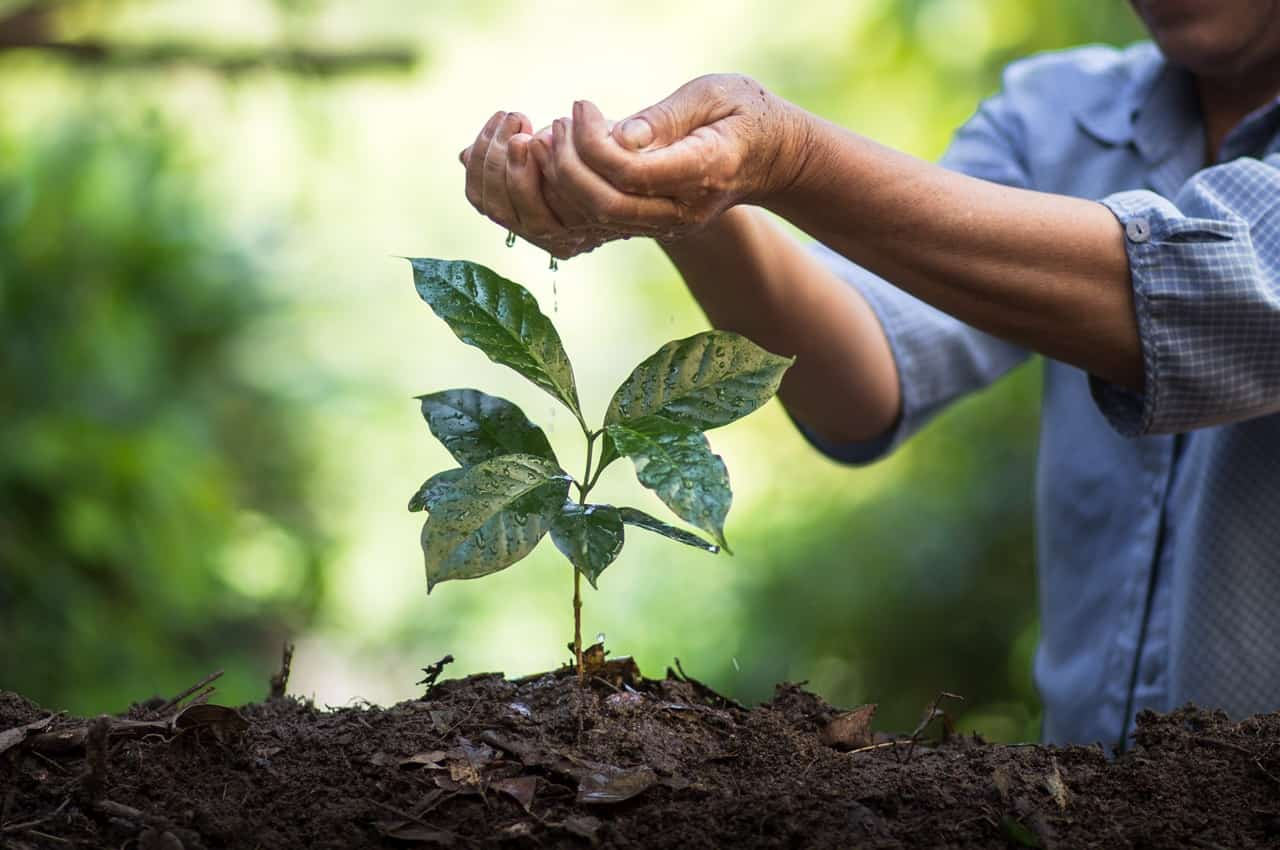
(1157, 513)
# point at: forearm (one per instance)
(752, 278)
(1044, 271)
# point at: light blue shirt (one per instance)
(1157, 513)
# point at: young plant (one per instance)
(509, 489)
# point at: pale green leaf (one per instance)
(705, 381)
(491, 516)
(675, 461)
(475, 426)
(432, 489)
(502, 319)
(640, 519)
(590, 536)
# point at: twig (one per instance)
(280, 680)
(880, 745)
(26, 825)
(1226, 745)
(433, 672)
(96, 755)
(928, 718)
(1265, 772)
(171, 704)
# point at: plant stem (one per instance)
(583, 489)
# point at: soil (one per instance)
(626, 762)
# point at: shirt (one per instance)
(1157, 513)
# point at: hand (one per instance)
(504, 183)
(669, 170)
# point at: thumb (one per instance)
(691, 106)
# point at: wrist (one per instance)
(791, 158)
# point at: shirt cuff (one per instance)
(1152, 226)
(884, 300)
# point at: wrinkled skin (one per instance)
(650, 175)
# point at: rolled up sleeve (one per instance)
(939, 358)
(1205, 272)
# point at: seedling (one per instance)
(509, 489)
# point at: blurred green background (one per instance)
(208, 354)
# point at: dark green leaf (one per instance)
(675, 461)
(590, 536)
(491, 516)
(705, 381)
(502, 319)
(475, 426)
(640, 519)
(432, 489)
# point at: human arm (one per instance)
(1043, 271)
(751, 277)
(840, 320)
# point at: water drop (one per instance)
(511, 238)
(554, 266)
(736, 665)
(555, 294)
(600, 637)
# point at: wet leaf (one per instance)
(518, 788)
(603, 783)
(705, 381)
(590, 536)
(404, 830)
(502, 319)
(433, 488)
(219, 717)
(476, 427)
(10, 738)
(431, 759)
(850, 729)
(676, 462)
(640, 519)
(491, 516)
(584, 827)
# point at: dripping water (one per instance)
(511, 238)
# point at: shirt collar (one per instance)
(1152, 104)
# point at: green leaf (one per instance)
(491, 516)
(475, 426)
(675, 461)
(640, 519)
(705, 381)
(590, 536)
(432, 489)
(502, 319)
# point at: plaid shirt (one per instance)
(1158, 513)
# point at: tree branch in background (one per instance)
(34, 26)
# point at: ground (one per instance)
(626, 762)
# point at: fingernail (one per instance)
(577, 110)
(519, 154)
(637, 133)
(541, 154)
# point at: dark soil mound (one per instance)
(538, 762)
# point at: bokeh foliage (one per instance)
(153, 511)
(160, 508)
